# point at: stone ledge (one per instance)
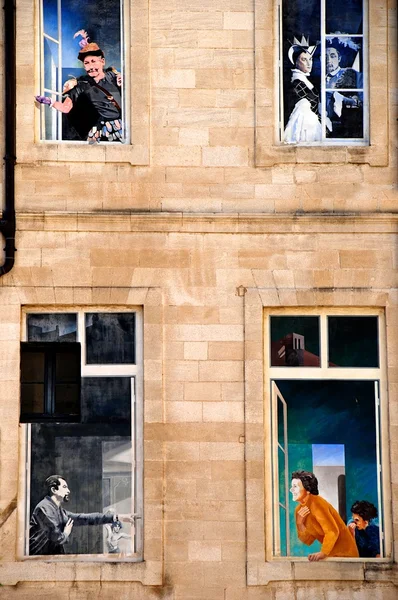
(331, 570)
(129, 221)
(146, 572)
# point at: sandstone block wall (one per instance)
(202, 203)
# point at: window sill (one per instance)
(334, 569)
(96, 569)
(135, 154)
(268, 155)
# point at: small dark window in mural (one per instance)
(324, 98)
(81, 94)
(52, 327)
(326, 470)
(353, 341)
(294, 341)
(50, 382)
(110, 338)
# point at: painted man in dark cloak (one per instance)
(51, 525)
(92, 101)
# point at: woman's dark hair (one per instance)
(309, 481)
(364, 509)
(52, 482)
(297, 53)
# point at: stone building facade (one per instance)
(209, 226)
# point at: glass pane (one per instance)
(96, 462)
(282, 477)
(353, 342)
(110, 338)
(52, 327)
(301, 71)
(51, 66)
(50, 18)
(332, 435)
(117, 458)
(282, 524)
(344, 63)
(106, 400)
(67, 367)
(67, 399)
(295, 341)
(101, 23)
(32, 398)
(345, 112)
(32, 367)
(344, 16)
(281, 432)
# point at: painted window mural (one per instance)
(82, 95)
(84, 492)
(326, 453)
(323, 72)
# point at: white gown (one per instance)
(303, 125)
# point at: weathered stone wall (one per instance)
(206, 203)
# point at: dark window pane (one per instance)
(110, 338)
(353, 342)
(295, 342)
(50, 381)
(67, 399)
(67, 367)
(32, 398)
(52, 327)
(106, 400)
(32, 367)
(345, 111)
(344, 16)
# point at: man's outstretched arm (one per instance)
(64, 107)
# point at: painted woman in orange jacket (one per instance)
(317, 519)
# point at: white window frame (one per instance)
(129, 370)
(365, 141)
(335, 373)
(57, 118)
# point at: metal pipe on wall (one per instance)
(8, 222)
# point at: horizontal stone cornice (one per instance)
(129, 221)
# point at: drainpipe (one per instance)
(7, 222)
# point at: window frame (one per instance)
(268, 150)
(124, 60)
(325, 142)
(136, 373)
(326, 373)
(262, 568)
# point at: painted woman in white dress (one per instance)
(303, 125)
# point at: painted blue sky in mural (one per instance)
(101, 19)
(328, 455)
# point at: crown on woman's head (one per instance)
(303, 44)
